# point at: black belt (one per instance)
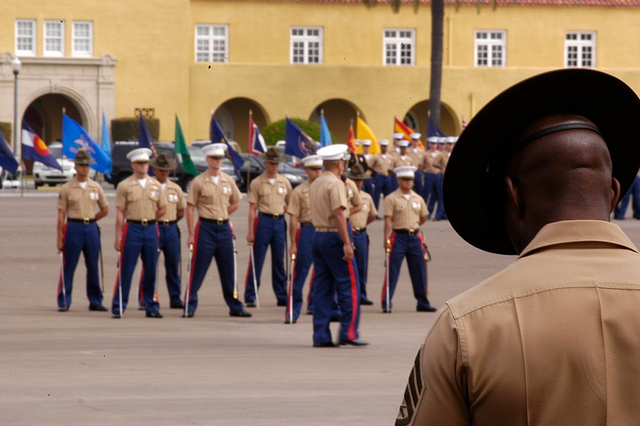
(85, 221)
(167, 222)
(306, 225)
(272, 216)
(143, 222)
(216, 221)
(408, 232)
(359, 230)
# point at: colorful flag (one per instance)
(400, 127)
(351, 140)
(7, 160)
(146, 141)
(325, 134)
(297, 142)
(364, 132)
(433, 130)
(75, 137)
(217, 136)
(34, 148)
(257, 145)
(464, 123)
(105, 144)
(181, 148)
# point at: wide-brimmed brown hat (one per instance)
(83, 157)
(472, 186)
(163, 162)
(272, 156)
(356, 172)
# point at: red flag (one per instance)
(351, 140)
(400, 127)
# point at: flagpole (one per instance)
(249, 148)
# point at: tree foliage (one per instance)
(274, 132)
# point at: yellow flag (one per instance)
(364, 132)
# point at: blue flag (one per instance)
(297, 142)
(217, 136)
(146, 141)
(7, 160)
(75, 137)
(433, 130)
(105, 143)
(325, 134)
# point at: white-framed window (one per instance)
(580, 49)
(399, 46)
(212, 43)
(53, 38)
(490, 48)
(306, 45)
(82, 39)
(25, 37)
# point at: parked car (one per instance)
(255, 166)
(45, 175)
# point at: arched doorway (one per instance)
(233, 118)
(416, 118)
(339, 115)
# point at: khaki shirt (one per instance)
(381, 163)
(327, 193)
(353, 196)
(550, 340)
(405, 214)
(80, 203)
(433, 162)
(211, 200)
(417, 156)
(270, 199)
(175, 201)
(140, 203)
(359, 219)
(299, 204)
(403, 160)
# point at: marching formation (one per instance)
(327, 230)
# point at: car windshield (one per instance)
(56, 151)
(196, 153)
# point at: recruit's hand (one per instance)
(60, 244)
(348, 252)
(293, 250)
(250, 238)
(117, 245)
(190, 240)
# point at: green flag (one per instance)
(181, 148)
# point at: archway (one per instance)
(416, 118)
(233, 118)
(339, 115)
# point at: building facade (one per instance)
(280, 58)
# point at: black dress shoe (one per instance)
(335, 318)
(353, 343)
(189, 314)
(326, 345)
(63, 309)
(288, 321)
(366, 302)
(116, 316)
(177, 305)
(426, 309)
(251, 304)
(154, 314)
(309, 311)
(99, 308)
(242, 313)
(386, 311)
(282, 303)
(141, 308)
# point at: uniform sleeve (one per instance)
(252, 195)
(337, 196)
(388, 206)
(372, 207)
(424, 212)
(63, 196)
(436, 389)
(194, 191)
(121, 195)
(294, 204)
(356, 200)
(102, 199)
(182, 202)
(236, 195)
(289, 191)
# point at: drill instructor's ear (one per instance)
(514, 197)
(615, 193)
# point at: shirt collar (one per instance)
(578, 231)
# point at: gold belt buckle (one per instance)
(86, 221)
(144, 222)
(220, 221)
(276, 216)
(412, 232)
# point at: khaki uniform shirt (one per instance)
(175, 201)
(327, 193)
(550, 340)
(270, 198)
(140, 203)
(405, 214)
(433, 162)
(417, 156)
(80, 203)
(211, 200)
(359, 219)
(299, 204)
(381, 163)
(353, 196)
(403, 160)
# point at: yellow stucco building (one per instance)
(291, 58)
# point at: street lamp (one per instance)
(16, 64)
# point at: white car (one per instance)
(45, 175)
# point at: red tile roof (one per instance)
(565, 3)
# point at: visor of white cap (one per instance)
(452, 139)
(365, 142)
(442, 139)
(332, 152)
(403, 143)
(405, 171)
(312, 161)
(432, 139)
(415, 135)
(383, 142)
(139, 155)
(214, 150)
(398, 135)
